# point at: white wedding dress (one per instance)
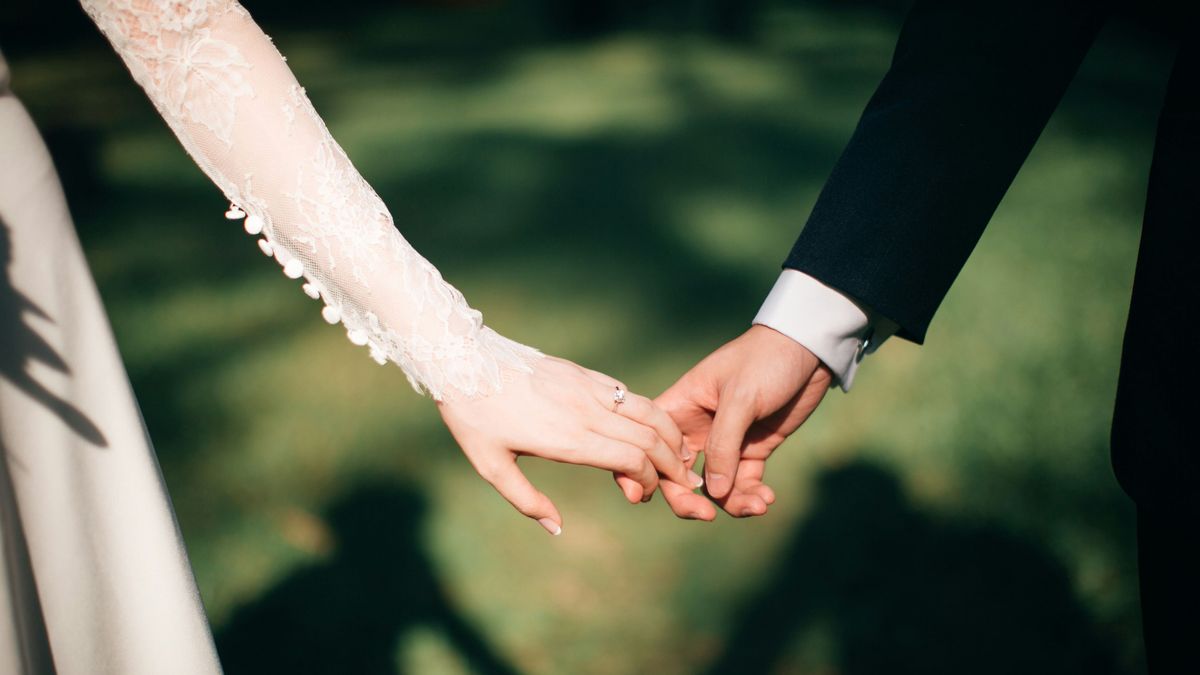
(95, 578)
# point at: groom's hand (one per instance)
(736, 406)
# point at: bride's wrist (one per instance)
(484, 367)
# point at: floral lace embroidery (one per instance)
(170, 51)
(224, 90)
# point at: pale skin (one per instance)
(736, 406)
(566, 413)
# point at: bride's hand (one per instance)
(566, 413)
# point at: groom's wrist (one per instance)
(825, 321)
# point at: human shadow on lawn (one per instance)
(902, 591)
(347, 613)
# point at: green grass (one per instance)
(625, 202)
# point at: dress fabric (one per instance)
(94, 578)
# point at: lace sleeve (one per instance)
(228, 96)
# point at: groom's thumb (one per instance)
(724, 448)
(516, 488)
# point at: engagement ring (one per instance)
(618, 398)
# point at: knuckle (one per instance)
(632, 464)
(674, 439)
(490, 471)
(673, 430)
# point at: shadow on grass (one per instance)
(347, 614)
(896, 590)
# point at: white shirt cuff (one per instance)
(828, 323)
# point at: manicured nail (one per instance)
(551, 526)
(718, 483)
(695, 479)
(685, 454)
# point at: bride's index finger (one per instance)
(512, 484)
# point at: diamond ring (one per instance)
(618, 398)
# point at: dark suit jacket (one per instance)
(971, 86)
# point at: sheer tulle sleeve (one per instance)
(226, 92)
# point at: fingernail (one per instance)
(647, 497)
(551, 526)
(685, 454)
(717, 482)
(695, 478)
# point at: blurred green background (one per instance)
(618, 185)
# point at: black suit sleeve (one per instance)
(969, 90)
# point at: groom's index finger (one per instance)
(723, 451)
(687, 504)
